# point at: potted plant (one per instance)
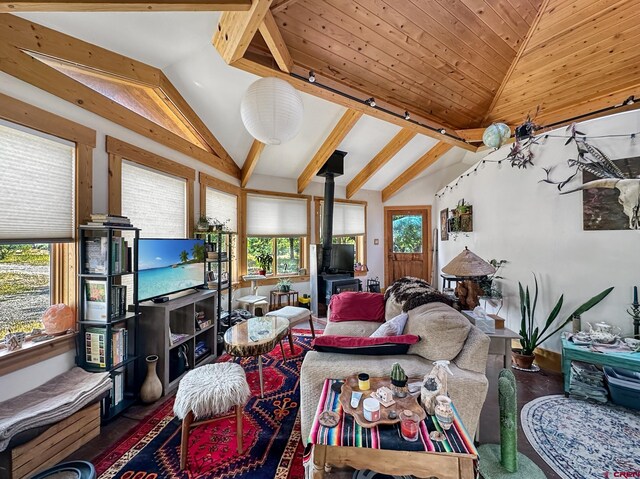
(284, 285)
(530, 334)
(264, 260)
(203, 223)
(491, 291)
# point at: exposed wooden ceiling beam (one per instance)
(124, 6)
(403, 137)
(237, 29)
(177, 102)
(252, 66)
(250, 163)
(428, 159)
(273, 38)
(19, 35)
(472, 135)
(339, 132)
(279, 5)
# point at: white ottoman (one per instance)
(208, 391)
(295, 316)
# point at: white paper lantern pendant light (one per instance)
(271, 111)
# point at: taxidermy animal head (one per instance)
(610, 176)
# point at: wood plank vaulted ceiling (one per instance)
(441, 59)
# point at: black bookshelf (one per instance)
(108, 314)
(223, 263)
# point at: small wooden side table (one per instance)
(275, 300)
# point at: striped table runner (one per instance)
(349, 433)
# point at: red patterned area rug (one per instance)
(271, 429)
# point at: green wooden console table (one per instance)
(571, 352)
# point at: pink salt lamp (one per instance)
(58, 319)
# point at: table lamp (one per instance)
(468, 265)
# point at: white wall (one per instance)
(534, 228)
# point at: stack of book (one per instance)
(201, 321)
(201, 351)
(103, 219)
(587, 382)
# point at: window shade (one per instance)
(222, 207)
(36, 187)
(276, 216)
(155, 202)
(348, 219)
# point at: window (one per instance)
(25, 286)
(36, 170)
(154, 201)
(222, 208)
(276, 226)
(349, 225)
(407, 233)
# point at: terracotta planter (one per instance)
(151, 389)
(523, 361)
(262, 272)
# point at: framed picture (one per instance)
(444, 230)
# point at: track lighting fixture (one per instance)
(407, 116)
(312, 76)
(371, 102)
(443, 131)
(630, 101)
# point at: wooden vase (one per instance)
(151, 389)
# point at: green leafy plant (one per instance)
(203, 223)
(530, 334)
(264, 261)
(284, 284)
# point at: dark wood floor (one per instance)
(530, 386)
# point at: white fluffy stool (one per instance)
(295, 316)
(207, 391)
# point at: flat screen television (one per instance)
(342, 258)
(167, 266)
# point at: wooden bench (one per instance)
(52, 445)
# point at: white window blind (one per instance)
(36, 186)
(223, 208)
(276, 216)
(154, 201)
(348, 219)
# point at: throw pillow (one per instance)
(352, 306)
(365, 346)
(443, 329)
(393, 327)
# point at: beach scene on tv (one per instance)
(169, 265)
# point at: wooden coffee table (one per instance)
(383, 450)
(255, 337)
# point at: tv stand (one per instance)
(177, 317)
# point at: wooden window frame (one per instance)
(361, 251)
(304, 240)
(208, 181)
(119, 150)
(64, 255)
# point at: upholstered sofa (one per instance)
(445, 334)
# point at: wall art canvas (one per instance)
(444, 230)
(613, 207)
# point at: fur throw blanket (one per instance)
(412, 292)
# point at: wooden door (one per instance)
(407, 231)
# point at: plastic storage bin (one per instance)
(624, 386)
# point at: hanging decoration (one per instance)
(271, 111)
(496, 135)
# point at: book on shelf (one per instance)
(177, 337)
(95, 346)
(119, 345)
(95, 300)
(96, 255)
(108, 220)
(117, 395)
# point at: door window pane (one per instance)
(407, 233)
